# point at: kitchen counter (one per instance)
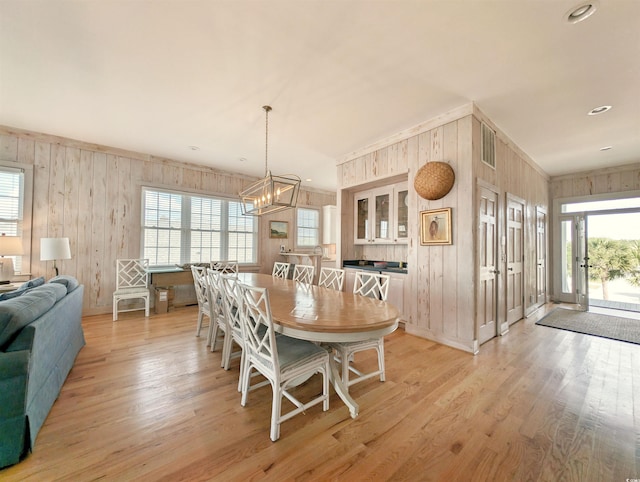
(391, 267)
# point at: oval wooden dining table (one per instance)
(319, 314)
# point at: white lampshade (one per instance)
(10, 245)
(54, 248)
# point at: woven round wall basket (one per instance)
(434, 180)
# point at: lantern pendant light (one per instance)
(271, 193)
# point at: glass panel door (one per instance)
(383, 211)
(567, 260)
(402, 214)
(574, 281)
(362, 220)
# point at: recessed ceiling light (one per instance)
(581, 12)
(193, 148)
(606, 148)
(308, 180)
(599, 110)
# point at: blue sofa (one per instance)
(40, 337)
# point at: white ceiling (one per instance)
(159, 76)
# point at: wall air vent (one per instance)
(488, 145)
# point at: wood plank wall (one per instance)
(440, 284)
(92, 195)
(602, 181)
(517, 174)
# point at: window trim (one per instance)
(27, 212)
(318, 229)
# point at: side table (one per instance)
(9, 287)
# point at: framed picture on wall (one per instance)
(278, 229)
(435, 227)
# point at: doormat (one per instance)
(605, 326)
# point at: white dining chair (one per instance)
(132, 282)
(233, 332)
(372, 285)
(282, 360)
(280, 269)
(225, 266)
(332, 278)
(304, 273)
(231, 313)
(217, 327)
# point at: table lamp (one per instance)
(9, 246)
(54, 248)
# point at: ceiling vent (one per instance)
(488, 145)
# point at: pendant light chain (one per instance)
(267, 108)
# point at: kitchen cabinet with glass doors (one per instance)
(381, 215)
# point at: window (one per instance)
(12, 204)
(183, 228)
(308, 227)
(601, 205)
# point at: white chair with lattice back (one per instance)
(282, 360)
(230, 304)
(216, 297)
(132, 282)
(280, 269)
(203, 294)
(304, 273)
(225, 266)
(231, 315)
(372, 285)
(332, 278)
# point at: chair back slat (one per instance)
(280, 269)
(216, 294)
(225, 266)
(132, 273)
(200, 284)
(332, 278)
(230, 302)
(373, 285)
(304, 273)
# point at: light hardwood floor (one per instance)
(146, 400)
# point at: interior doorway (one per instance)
(599, 255)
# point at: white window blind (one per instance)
(183, 228)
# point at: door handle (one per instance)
(510, 269)
(495, 271)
